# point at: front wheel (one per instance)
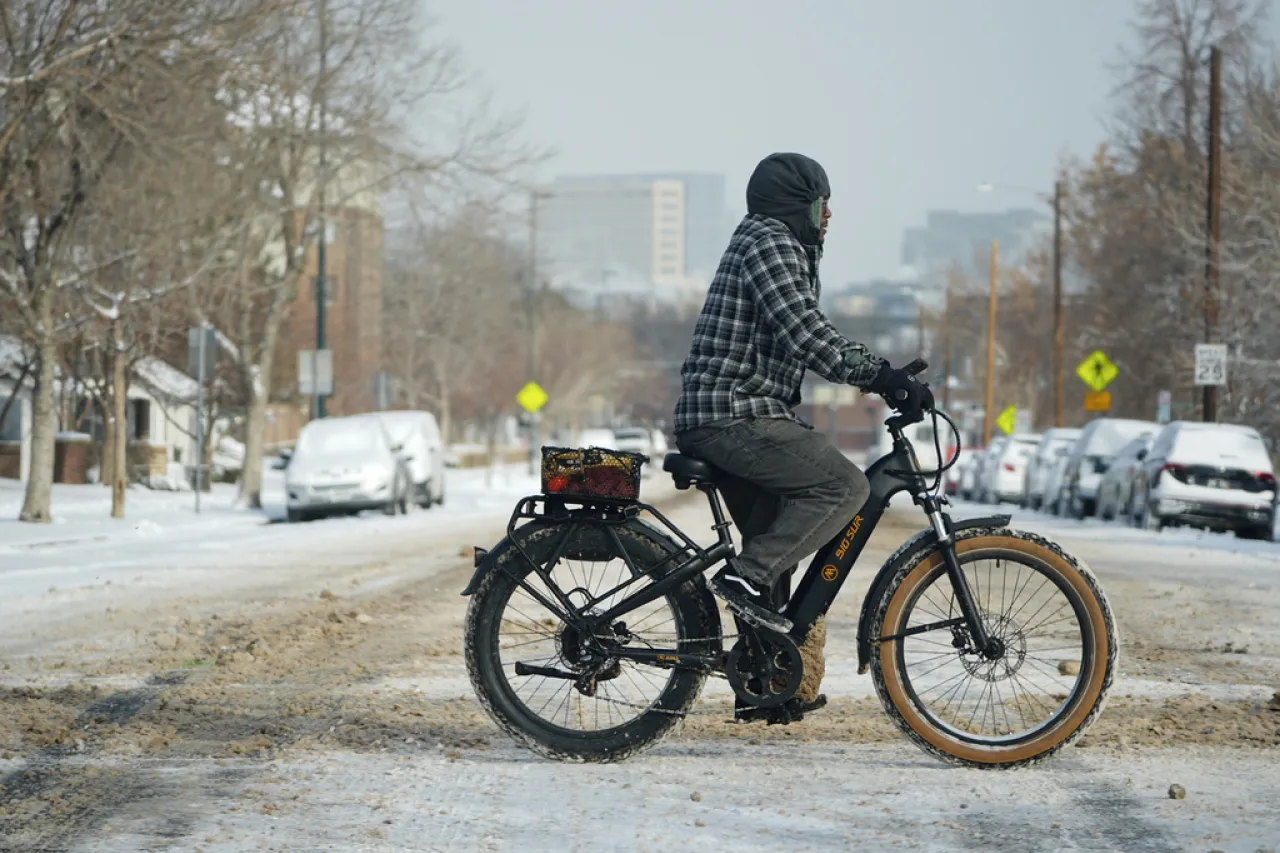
(1055, 662)
(616, 707)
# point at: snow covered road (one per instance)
(301, 688)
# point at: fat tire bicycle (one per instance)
(625, 606)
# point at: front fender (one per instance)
(921, 541)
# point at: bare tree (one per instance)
(285, 113)
(448, 301)
(70, 73)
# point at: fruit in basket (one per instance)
(610, 481)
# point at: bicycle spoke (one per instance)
(1005, 697)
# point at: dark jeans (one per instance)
(788, 489)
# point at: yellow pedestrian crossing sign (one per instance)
(531, 397)
(1097, 371)
(1008, 420)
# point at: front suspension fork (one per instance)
(964, 595)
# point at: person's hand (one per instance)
(901, 390)
(898, 388)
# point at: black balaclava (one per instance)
(787, 187)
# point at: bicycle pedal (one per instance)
(791, 711)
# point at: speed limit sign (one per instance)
(1211, 364)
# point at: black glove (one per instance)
(901, 390)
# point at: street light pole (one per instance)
(531, 327)
(1058, 333)
(321, 182)
(990, 399)
(1214, 216)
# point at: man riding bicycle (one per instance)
(788, 489)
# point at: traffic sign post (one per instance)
(1211, 364)
(315, 372)
(532, 398)
(1008, 420)
(1097, 371)
(382, 390)
(1097, 401)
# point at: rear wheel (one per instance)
(1044, 688)
(616, 707)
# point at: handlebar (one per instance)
(915, 368)
(897, 422)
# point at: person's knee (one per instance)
(855, 489)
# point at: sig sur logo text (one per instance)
(854, 526)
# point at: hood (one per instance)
(785, 187)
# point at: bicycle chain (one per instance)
(713, 674)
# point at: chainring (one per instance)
(765, 670)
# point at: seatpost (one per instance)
(721, 527)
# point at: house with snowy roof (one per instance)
(160, 408)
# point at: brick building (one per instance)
(353, 320)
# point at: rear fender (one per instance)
(486, 560)
(917, 544)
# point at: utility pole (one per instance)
(322, 186)
(1214, 230)
(1058, 334)
(989, 414)
(946, 344)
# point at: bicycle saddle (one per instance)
(686, 470)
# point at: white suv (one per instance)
(1215, 476)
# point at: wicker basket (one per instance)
(593, 472)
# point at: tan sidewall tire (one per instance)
(1087, 704)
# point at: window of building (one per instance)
(139, 420)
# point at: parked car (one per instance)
(988, 459)
(660, 443)
(968, 488)
(921, 436)
(1214, 476)
(418, 434)
(639, 440)
(344, 465)
(954, 479)
(1115, 492)
(598, 438)
(633, 439)
(1041, 463)
(1093, 451)
(1057, 467)
(1004, 476)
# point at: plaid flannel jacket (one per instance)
(760, 328)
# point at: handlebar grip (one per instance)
(917, 366)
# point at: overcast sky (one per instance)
(908, 104)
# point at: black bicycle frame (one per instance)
(890, 475)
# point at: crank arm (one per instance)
(546, 671)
